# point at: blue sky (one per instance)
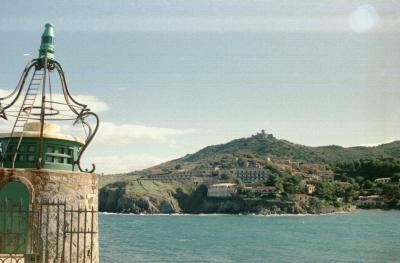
(170, 77)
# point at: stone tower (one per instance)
(48, 203)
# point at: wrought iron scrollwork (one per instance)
(80, 112)
(18, 89)
(89, 138)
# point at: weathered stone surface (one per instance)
(79, 191)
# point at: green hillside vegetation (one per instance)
(111, 178)
(363, 173)
(355, 169)
(262, 146)
(266, 145)
(368, 169)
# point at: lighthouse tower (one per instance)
(48, 202)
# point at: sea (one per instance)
(362, 236)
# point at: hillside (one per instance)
(138, 192)
(262, 146)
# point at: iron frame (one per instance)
(79, 110)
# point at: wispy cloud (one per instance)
(110, 164)
(127, 133)
(108, 131)
(93, 102)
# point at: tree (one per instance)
(359, 179)
(292, 184)
(315, 204)
(368, 184)
(396, 178)
(276, 181)
(391, 194)
(326, 190)
(350, 192)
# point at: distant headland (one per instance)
(263, 175)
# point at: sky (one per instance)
(168, 78)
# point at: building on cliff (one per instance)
(252, 175)
(370, 201)
(48, 202)
(309, 188)
(382, 180)
(212, 176)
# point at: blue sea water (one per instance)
(366, 236)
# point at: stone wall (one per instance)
(75, 193)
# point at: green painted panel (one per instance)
(57, 154)
(14, 216)
(15, 192)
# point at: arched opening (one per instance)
(14, 217)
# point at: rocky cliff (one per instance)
(150, 197)
(141, 196)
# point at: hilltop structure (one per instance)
(48, 202)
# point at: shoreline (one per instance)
(218, 214)
(357, 210)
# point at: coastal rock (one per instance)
(131, 198)
(149, 197)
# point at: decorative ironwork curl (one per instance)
(88, 139)
(66, 93)
(81, 111)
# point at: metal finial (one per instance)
(47, 44)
